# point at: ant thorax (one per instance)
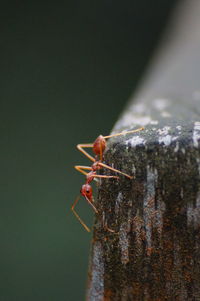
(90, 176)
(95, 166)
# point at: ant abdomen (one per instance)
(99, 145)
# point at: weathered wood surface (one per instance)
(154, 253)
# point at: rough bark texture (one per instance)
(154, 253)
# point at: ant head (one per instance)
(99, 145)
(86, 191)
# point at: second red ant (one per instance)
(98, 148)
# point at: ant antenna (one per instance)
(124, 133)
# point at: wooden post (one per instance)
(154, 251)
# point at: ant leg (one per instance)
(106, 177)
(77, 216)
(81, 149)
(115, 170)
(124, 133)
(91, 204)
(80, 169)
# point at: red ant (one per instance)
(98, 148)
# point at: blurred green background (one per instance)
(66, 71)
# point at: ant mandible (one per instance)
(98, 148)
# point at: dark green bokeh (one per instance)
(67, 70)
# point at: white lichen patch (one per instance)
(158, 219)
(181, 193)
(133, 169)
(161, 103)
(183, 150)
(196, 133)
(174, 138)
(135, 140)
(179, 127)
(165, 139)
(96, 287)
(124, 243)
(164, 131)
(118, 202)
(193, 213)
(152, 176)
(149, 203)
(176, 147)
(164, 136)
(153, 216)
